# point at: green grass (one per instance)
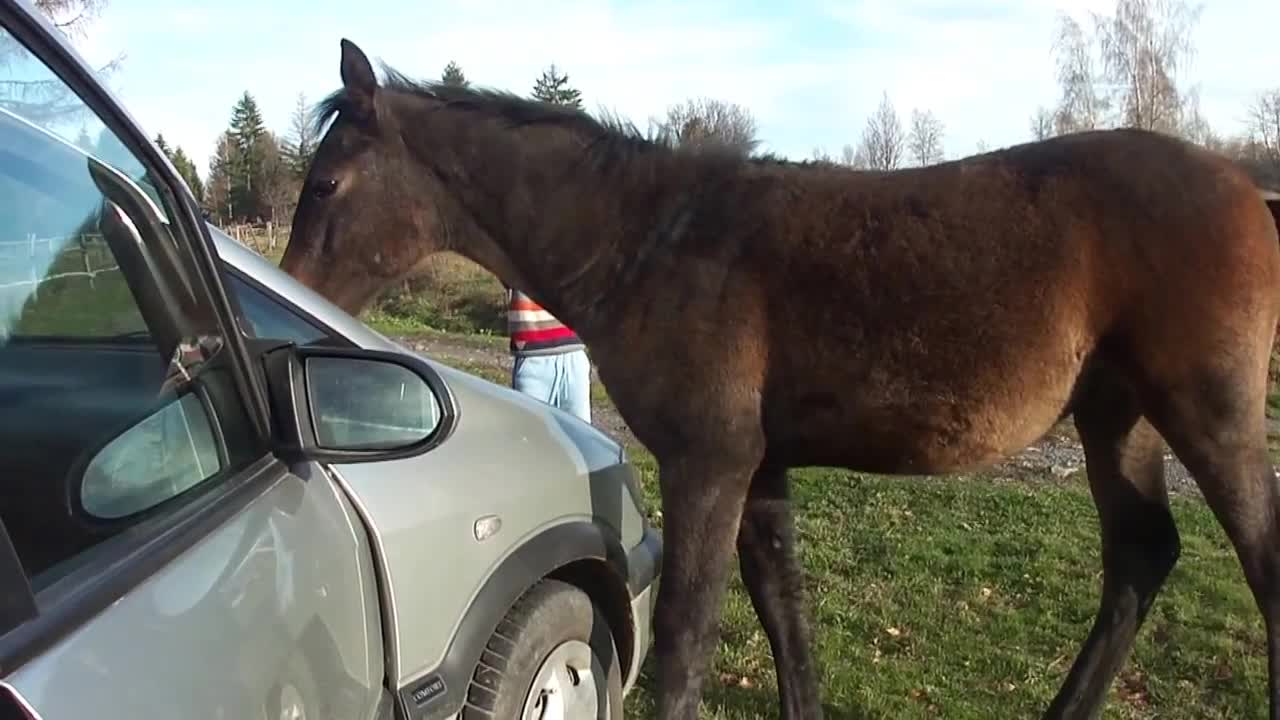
(951, 598)
(453, 295)
(77, 306)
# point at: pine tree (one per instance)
(553, 87)
(254, 149)
(185, 167)
(453, 76)
(247, 126)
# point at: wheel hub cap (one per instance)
(565, 686)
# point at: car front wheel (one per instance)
(551, 658)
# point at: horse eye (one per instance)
(324, 188)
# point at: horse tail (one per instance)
(1273, 204)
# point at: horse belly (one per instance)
(900, 423)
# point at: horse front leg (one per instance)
(702, 496)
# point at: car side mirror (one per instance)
(347, 405)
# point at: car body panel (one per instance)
(511, 456)
(277, 606)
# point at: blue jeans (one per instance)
(559, 379)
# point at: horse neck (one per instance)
(542, 212)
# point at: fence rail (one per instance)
(14, 252)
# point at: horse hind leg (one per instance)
(1125, 466)
(1217, 428)
(774, 580)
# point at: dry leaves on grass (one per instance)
(735, 680)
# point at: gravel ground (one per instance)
(1058, 456)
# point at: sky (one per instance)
(811, 71)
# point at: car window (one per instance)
(266, 317)
(116, 397)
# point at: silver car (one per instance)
(222, 497)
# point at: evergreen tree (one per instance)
(247, 126)
(453, 76)
(554, 87)
(187, 169)
(254, 150)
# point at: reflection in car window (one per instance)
(269, 319)
(109, 397)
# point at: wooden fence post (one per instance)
(84, 256)
(35, 281)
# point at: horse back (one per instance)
(939, 318)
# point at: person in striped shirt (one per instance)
(551, 362)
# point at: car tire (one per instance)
(552, 656)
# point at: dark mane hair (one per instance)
(609, 137)
(514, 110)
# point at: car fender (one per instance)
(443, 691)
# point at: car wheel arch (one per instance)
(608, 591)
(580, 552)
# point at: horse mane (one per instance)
(609, 138)
(609, 133)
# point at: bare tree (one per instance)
(1080, 107)
(850, 156)
(854, 157)
(1195, 126)
(981, 146)
(1264, 124)
(300, 145)
(47, 99)
(706, 122)
(1143, 47)
(72, 17)
(883, 141)
(925, 140)
(1042, 124)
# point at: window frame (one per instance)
(34, 621)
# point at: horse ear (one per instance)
(358, 79)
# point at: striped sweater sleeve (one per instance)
(533, 330)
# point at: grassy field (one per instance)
(953, 598)
(938, 598)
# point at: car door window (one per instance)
(265, 317)
(117, 397)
